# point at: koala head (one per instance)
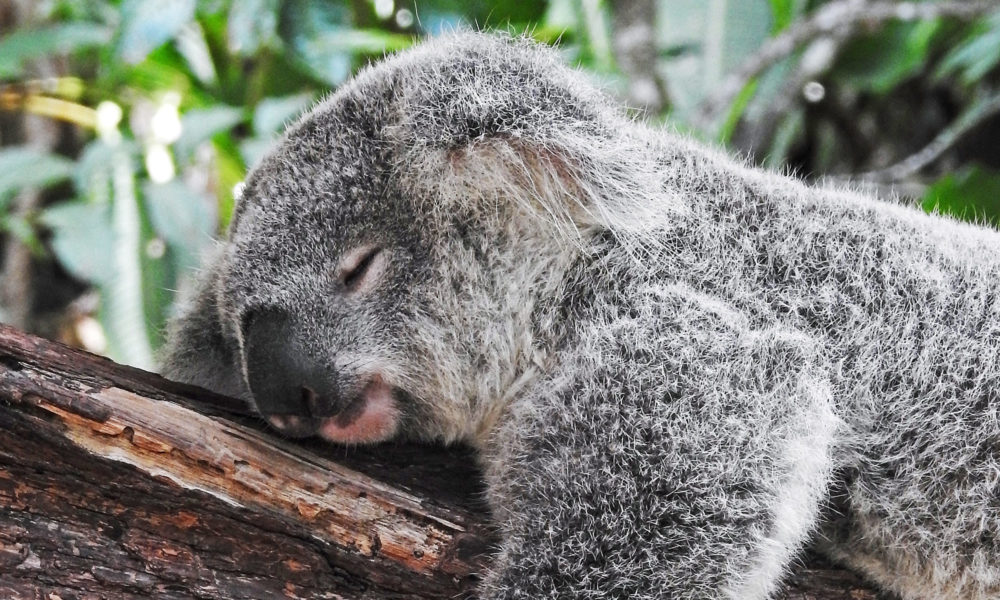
(392, 266)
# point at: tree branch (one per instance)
(969, 120)
(116, 483)
(843, 18)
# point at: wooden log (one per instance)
(116, 483)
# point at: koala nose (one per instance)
(292, 389)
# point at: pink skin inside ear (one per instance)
(375, 421)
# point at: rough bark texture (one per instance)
(115, 483)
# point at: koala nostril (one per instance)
(311, 401)
(284, 377)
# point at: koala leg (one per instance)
(919, 513)
(699, 475)
(199, 350)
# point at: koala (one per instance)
(677, 370)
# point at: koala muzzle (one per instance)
(292, 389)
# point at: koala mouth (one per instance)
(371, 417)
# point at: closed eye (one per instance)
(360, 266)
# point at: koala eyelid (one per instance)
(355, 267)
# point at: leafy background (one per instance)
(125, 125)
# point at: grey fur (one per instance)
(678, 369)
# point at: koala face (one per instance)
(319, 283)
(387, 261)
(341, 288)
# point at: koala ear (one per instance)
(484, 121)
(575, 180)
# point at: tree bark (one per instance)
(116, 483)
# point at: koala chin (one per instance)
(678, 370)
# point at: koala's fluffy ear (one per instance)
(573, 187)
(503, 119)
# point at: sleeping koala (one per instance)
(677, 369)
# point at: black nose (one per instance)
(291, 386)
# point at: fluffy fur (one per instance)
(678, 369)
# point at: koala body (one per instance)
(678, 370)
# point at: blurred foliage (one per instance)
(172, 100)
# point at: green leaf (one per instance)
(27, 44)
(230, 170)
(724, 32)
(123, 307)
(24, 167)
(772, 84)
(881, 61)
(181, 216)
(271, 114)
(21, 228)
(329, 53)
(784, 138)
(598, 36)
(976, 55)
(972, 194)
(92, 173)
(159, 279)
(487, 14)
(784, 12)
(252, 25)
(304, 23)
(146, 24)
(560, 15)
(323, 41)
(362, 41)
(736, 111)
(81, 239)
(192, 45)
(200, 124)
(254, 149)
